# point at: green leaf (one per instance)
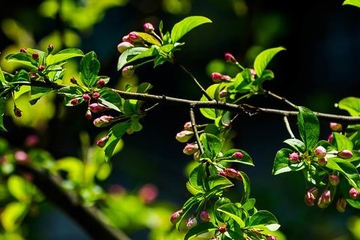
(74, 168)
(196, 180)
(186, 25)
(3, 82)
(63, 55)
(263, 59)
(37, 93)
(13, 215)
(209, 113)
(229, 157)
(341, 142)
(355, 3)
(233, 212)
(200, 229)
(3, 101)
(247, 187)
(23, 59)
(115, 134)
(217, 182)
(149, 38)
(345, 168)
(19, 188)
(262, 217)
(282, 163)
(297, 144)
(309, 127)
(350, 104)
(110, 98)
(211, 144)
(89, 69)
(133, 54)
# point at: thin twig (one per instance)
(287, 125)
(196, 133)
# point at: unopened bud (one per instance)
(218, 77)
(102, 141)
(330, 138)
(50, 48)
(238, 155)
(188, 126)
(191, 222)
(35, 56)
(205, 216)
(101, 83)
(148, 27)
(123, 46)
(102, 121)
(232, 173)
(41, 68)
(222, 229)
(294, 157)
(21, 156)
(310, 196)
(17, 112)
(74, 101)
(345, 154)
(128, 71)
(320, 152)
(86, 97)
(353, 193)
(73, 80)
(88, 114)
(97, 107)
(23, 50)
(334, 180)
(322, 161)
(134, 37)
(230, 58)
(341, 204)
(175, 217)
(190, 148)
(324, 199)
(96, 95)
(184, 136)
(335, 127)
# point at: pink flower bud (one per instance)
(21, 156)
(123, 46)
(128, 71)
(97, 107)
(148, 27)
(330, 138)
(86, 97)
(134, 37)
(101, 83)
(205, 216)
(325, 199)
(35, 56)
(188, 126)
(102, 141)
(335, 127)
(238, 155)
(222, 173)
(322, 161)
(191, 222)
(218, 77)
(223, 93)
(341, 204)
(148, 193)
(88, 114)
(31, 140)
(230, 58)
(23, 50)
(41, 68)
(353, 193)
(190, 148)
(102, 121)
(232, 173)
(184, 136)
(310, 196)
(74, 101)
(345, 154)
(175, 217)
(222, 229)
(334, 180)
(294, 157)
(96, 95)
(50, 48)
(271, 237)
(320, 152)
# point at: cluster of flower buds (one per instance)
(320, 154)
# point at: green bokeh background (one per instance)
(320, 67)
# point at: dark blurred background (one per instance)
(319, 68)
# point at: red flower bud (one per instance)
(345, 154)
(96, 95)
(73, 80)
(334, 180)
(128, 71)
(325, 199)
(320, 152)
(294, 157)
(230, 58)
(341, 204)
(148, 27)
(148, 193)
(222, 229)
(41, 68)
(74, 101)
(218, 77)
(35, 56)
(238, 155)
(205, 216)
(353, 193)
(101, 83)
(86, 97)
(232, 173)
(335, 127)
(102, 141)
(134, 37)
(330, 138)
(17, 112)
(97, 107)
(190, 148)
(175, 217)
(310, 196)
(88, 114)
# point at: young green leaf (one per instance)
(263, 59)
(355, 3)
(186, 25)
(89, 69)
(341, 142)
(115, 134)
(63, 55)
(133, 54)
(3, 101)
(309, 127)
(263, 217)
(200, 229)
(350, 104)
(13, 214)
(345, 168)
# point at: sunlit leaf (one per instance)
(200, 229)
(63, 55)
(186, 25)
(13, 215)
(309, 127)
(89, 69)
(355, 3)
(350, 104)
(263, 59)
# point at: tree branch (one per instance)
(88, 218)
